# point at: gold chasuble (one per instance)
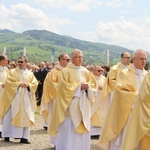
(70, 80)
(50, 90)
(99, 108)
(121, 106)
(20, 100)
(138, 129)
(3, 75)
(111, 79)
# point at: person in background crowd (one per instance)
(29, 66)
(3, 75)
(48, 66)
(127, 86)
(12, 64)
(18, 103)
(84, 64)
(35, 69)
(90, 68)
(109, 85)
(40, 76)
(106, 70)
(98, 110)
(71, 117)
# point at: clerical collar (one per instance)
(1, 68)
(139, 71)
(59, 66)
(78, 67)
(124, 66)
(97, 77)
(22, 70)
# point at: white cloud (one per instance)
(118, 3)
(87, 36)
(52, 3)
(125, 33)
(79, 6)
(2, 1)
(82, 5)
(21, 17)
(68, 4)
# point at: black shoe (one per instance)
(24, 141)
(6, 139)
(45, 128)
(0, 134)
(38, 102)
(95, 137)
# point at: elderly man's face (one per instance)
(140, 60)
(77, 59)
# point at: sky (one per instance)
(124, 23)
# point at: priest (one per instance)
(70, 122)
(18, 103)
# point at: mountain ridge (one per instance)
(39, 42)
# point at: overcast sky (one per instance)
(119, 22)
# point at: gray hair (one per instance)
(75, 51)
(138, 52)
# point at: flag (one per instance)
(107, 56)
(53, 55)
(24, 52)
(4, 51)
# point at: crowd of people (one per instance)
(78, 101)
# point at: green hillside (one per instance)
(39, 45)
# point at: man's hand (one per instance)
(3, 85)
(84, 86)
(100, 87)
(23, 85)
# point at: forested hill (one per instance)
(39, 45)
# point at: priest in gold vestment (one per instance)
(126, 89)
(70, 121)
(3, 75)
(113, 74)
(98, 109)
(138, 129)
(18, 103)
(50, 90)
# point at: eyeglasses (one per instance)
(99, 70)
(20, 62)
(66, 59)
(80, 57)
(126, 57)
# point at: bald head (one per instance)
(3, 60)
(125, 58)
(139, 58)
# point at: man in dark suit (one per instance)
(40, 75)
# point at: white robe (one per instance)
(8, 130)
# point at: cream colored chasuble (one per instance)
(80, 106)
(99, 107)
(22, 114)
